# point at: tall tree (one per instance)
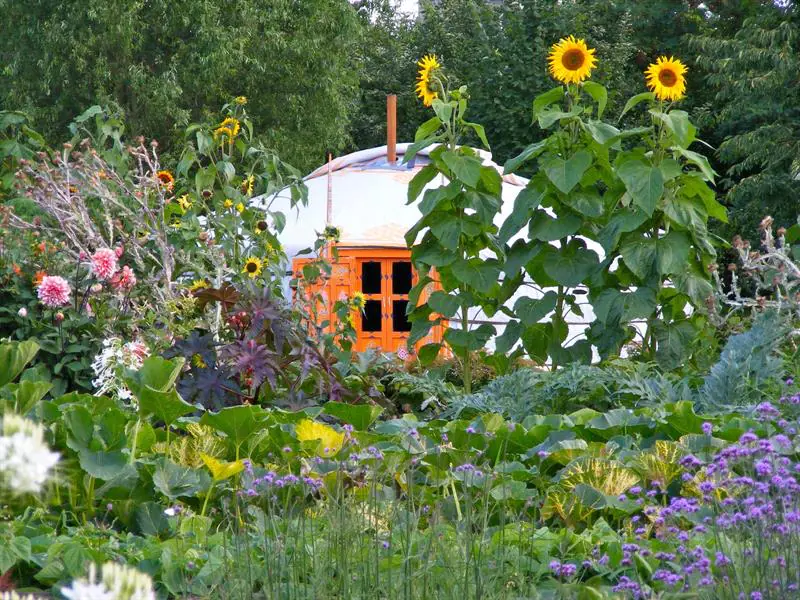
(756, 114)
(163, 62)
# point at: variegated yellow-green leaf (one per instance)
(330, 440)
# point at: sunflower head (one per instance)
(571, 60)
(252, 267)
(358, 301)
(247, 185)
(228, 129)
(666, 78)
(228, 203)
(240, 100)
(166, 179)
(185, 202)
(198, 284)
(427, 77)
(261, 226)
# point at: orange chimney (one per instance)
(391, 128)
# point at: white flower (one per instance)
(15, 596)
(22, 312)
(111, 362)
(81, 590)
(171, 512)
(118, 582)
(25, 459)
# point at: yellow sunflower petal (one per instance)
(426, 86)
(571, 60)
(666, 78)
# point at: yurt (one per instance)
(364, 195)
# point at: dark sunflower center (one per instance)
(262, 225)
(573, 59)
(252, 267)
(667, 77)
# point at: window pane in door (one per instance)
(372, 319)
(400, 321)
(401, 277)
(371, 277)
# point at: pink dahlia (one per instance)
(53, 291)
(104, 263)
(124, 279)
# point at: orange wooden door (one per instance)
(371, 323)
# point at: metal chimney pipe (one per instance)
(391, 128)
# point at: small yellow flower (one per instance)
(198, 361)
(571, 60)
(185, 202)
(240, 100)
(666, 78)
(426, 85)
(240, 208)
(252, 266)
(228, 203)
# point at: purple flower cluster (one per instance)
(270, 482)
(735, 527)
(563, 570)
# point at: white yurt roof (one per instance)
(369, 206)
(369, 197)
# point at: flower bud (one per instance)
(22, 312)
(59, 317)
(96, 288)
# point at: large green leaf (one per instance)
(519, 255)
(175, 481)
(526, 201)
(545, 228)
(531, 151)
(13, 358)
(644, 182)
(677, 122)
(694, 283)
(150, 519)
(473, 339)
(615, 306)
(360, 416)
(23, 396)
(565, 174)
(465, 168)
(600, 95)
(506, 340)
(623, 221)
(533, 310)
(103, 465)
(420, 180)
(166, 406)
(236, 422)
(664, 256)
(571, 266)
(478, 274)
(674, 343)
(687, 212)
(444, 303)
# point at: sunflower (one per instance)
(240, 100)
(571, 61)
(261, 227)
(228, 203)
(185, 202)
(666, 78)
(358, 301)
(426, 79)
(240, 208)
(252, 266)
(166, 178)
(229, 128)
(198, 284)
(247, 185)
